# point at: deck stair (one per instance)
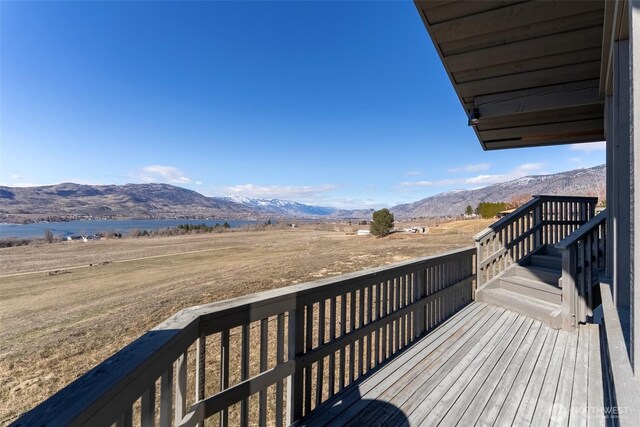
(530, 288)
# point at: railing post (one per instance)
(479, 271)
(537, 220)
(296, 348)
(569, 288)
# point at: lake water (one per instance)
(77, 228)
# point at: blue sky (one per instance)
(333, 103)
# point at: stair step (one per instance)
(547, 261)
(541, 274)
(545, 312)
(552, 250)
(532, 288)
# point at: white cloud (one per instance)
(417, 184)
(527, 168)
(22, 184)
(471, 168)
(287, 192)
(413, 173)
(160, 173)
(486, 179)
(575, 160)
(482, 179)
(589, 147)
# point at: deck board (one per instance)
(484, 366)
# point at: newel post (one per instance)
(479, 271)
(295, 350)
(569, 291)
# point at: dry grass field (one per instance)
(65, 307)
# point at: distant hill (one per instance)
(130, 200)
(149, 201)
(453, 203)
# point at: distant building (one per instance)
(363, 232)
(502, 214)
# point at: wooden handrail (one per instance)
(389, 307)
(627, 388)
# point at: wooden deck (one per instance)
(484, 366)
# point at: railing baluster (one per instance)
(264, 352)
(369, 320)
(201, 351)
(245, 344)
(378, 331)
(394, 332)
(343, 330)
(148, 407)
(383, 313)
(352, 324)
(224, 372)
(332, 336)
(166, 397)
(321, 330)
(295, 344)
(126, 419)
(279, 361)
(361, 304)
(309, 369)
(181, 388)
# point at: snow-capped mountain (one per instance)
(286, 208)
(587, 181)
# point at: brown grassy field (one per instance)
(65, 307)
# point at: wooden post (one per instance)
(480, 272)
(224, 372)
(296, 348)
(148, 407)
(166, 397)
(245, 346)
(201, 350)
(279, 361)
(181, 388)
(569, 288)
(421, 312)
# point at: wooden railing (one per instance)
(583, 256)
(542, 221)
(623, 388)
(268, 358)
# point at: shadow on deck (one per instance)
(486, 366)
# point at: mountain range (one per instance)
(69, 200)
(168, 201)
(578, 182)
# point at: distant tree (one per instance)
(48, 236)
(490, 210)
(477, 210)
(226, 225)
(469, 210)
(382, 223)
